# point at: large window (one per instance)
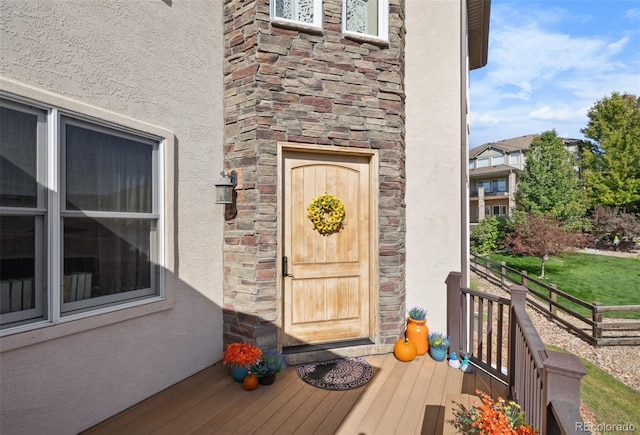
(302, 11)
(79, 215)
(486, 184)
(368, 17)
(499, 185)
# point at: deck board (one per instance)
(402, 398)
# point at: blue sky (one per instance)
(550, 61)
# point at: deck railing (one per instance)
(500, 338)
(585, 319)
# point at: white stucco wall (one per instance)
(434, 139)
(157, 62)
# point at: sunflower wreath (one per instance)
(326, 213)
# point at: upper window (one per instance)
(92, 242)
(482, 163)
(367, 17)
(514, 157)
(497, 160)
(302, 11)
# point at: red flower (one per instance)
(241, 355)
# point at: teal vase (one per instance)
(437, 353)
(238, 373)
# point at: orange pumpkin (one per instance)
(405, 350)
(250, 382)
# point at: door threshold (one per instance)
(325, 346)
(327, 351)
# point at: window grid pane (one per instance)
(105, 172)
(18, 158)
(296, 10)
(105, 257)
(362, 16)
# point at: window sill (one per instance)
(361, 37)
(296, 25)
(35, 333)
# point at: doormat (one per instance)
(338, 374)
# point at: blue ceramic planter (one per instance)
(238, 373)
(438, 354)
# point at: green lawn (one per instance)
(592, 278)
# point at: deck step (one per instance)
(452, 401)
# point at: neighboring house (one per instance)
(121, 276)
(494, 169)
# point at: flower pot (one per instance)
(238, 373)
(417, 333)
(267, 379)
(438, 354)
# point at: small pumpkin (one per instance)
(405, 350)
(250, 382)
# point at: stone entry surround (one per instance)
(315, 87)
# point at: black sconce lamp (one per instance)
(224, 187)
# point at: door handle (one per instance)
(285, 267)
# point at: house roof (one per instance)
(509, 145)
(493, 170)
(517, 144)
(478, 28)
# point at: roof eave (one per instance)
(478, 13)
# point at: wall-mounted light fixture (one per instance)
(224, 187)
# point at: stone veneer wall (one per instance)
(316, 87)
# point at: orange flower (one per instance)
(241, 355)
(493, 418)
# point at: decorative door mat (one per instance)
(339, 374)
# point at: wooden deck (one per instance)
(402, 398)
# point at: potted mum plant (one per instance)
(417, 330)
(271, 364)
(438, 345)
(240, 357)
(491, 417)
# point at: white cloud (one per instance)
(548, 65)
(558, 113)
(632, 15)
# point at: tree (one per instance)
(540, 236)
(612, 161)
(608, 222)
(549, 184)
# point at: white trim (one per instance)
(54, 288)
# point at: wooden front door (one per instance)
(327, 294)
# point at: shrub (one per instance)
(488, 235)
